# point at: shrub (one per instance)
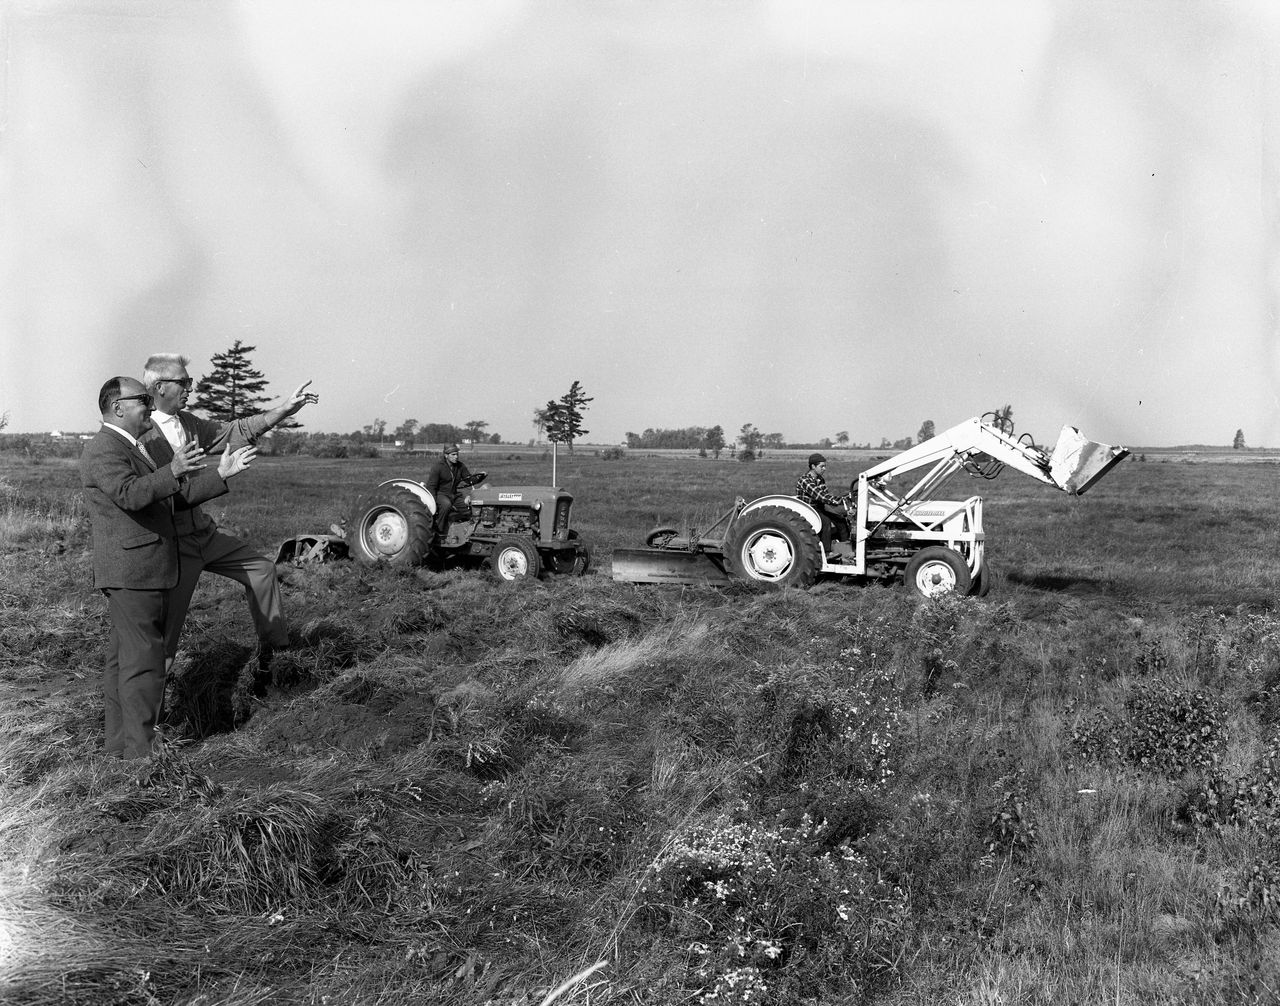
(1010, 831)
(756, 903)
(1164, 728)
(831, 722)
(613, 454)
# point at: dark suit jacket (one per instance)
(212, 436)
(135, 541)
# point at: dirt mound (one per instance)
(362, 716)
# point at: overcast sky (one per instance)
(810, 216)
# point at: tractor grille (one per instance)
(561, 529)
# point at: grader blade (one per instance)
(1077, 462)
(659, 565)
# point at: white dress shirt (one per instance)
(171, 427)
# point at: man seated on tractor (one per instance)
(811, 487)
(444, 482)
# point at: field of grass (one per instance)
(590, 792)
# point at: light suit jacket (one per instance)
(212, 436)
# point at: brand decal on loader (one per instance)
(510, 497)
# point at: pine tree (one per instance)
(233, 389)
(1238, 443)
(564, 417)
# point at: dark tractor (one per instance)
(519, 531)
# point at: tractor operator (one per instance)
(811, 487)
(443, 481)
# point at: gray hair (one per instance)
(159, 364)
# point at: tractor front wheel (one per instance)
(937, 570)
(775, 547)
(390, 525)
(515, 559)
(982, 582)
(565, 563)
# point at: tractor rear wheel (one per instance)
(390, 525)
(936, 570)
(773, 546)
(515, 558)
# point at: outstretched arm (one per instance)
(291, 405)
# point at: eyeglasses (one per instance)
(184, 381)
(146, 400)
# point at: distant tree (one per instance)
(233, 389)
(376, 429)
(683, 439)
(495, 438)
(564, 417)
(1003, 419)
(405, 432)
(440, 433)
(903, 444)
(1238, 443)
(884, 443)
(475, 430)
(714, 440)
(926, 432)
(825, 443)
(842, 438)
(4, 420)
(750, 438)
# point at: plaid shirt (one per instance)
(812, 488)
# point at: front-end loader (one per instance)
(900, 531)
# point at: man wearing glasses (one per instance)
(201, 545)
(131, 498)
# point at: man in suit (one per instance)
(201, 546)
(135, 552)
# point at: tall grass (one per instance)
(462, 794)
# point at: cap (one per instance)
(450, 449)
(816, 459)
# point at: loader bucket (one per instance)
(660, 565)
(1077, 462)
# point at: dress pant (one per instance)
(133, 679)
(209, 549)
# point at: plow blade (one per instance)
(660, 565)
(1077, 462)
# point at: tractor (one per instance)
(518, 531)
(897, 535)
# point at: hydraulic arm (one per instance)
(983, 450)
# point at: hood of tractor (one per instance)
(487, 495)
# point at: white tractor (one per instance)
(899, 530)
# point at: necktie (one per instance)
(142, 449)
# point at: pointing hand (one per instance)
(300, 398)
